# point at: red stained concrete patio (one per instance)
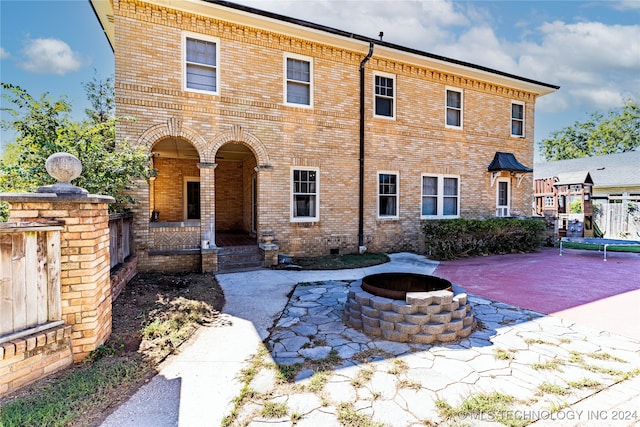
(578, 285)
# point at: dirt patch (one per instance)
(153, 316)
(151, 297)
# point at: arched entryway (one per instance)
(174, 193)
(236, 195)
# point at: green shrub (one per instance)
(454, 238)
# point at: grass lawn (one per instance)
(336, 262)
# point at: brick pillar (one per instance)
(84, 262)
(269, 252)
(209, 262)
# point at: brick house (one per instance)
(326, 141)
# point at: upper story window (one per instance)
(454, 108)
(299, 79)
(201, 64)
(517, 119)
(440, 196)
(388, 195)
(384, 103)
(304, 194)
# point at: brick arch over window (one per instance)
(240, 135)
(173, 129)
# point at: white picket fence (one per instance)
(618, 220)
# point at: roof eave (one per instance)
(272, 22)
(104, 13)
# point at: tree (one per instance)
(44, 126)
(617, 132)
(102, 98)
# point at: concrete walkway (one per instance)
(513, 352)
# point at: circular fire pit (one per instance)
(409, 307)
(396, 285)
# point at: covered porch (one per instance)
(199, 210)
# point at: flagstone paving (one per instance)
(548, 370)
(530, 368)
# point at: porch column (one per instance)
(268, 249)
(208, 217)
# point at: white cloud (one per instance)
(49, 56)
(625, 5)
(480, 46)
(3, 53)
(416, 24)
(596, 64)
(598, 98)
(553, 103)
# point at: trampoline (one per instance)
(600, 243)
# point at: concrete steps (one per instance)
(232, 258)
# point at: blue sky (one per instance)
(590, 48)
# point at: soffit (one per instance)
(104, 13)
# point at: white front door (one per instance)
(503, 199)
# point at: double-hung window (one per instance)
(440, 196)
(201, 64)
(384, 102)
(517, 119)
(304, 194)
(454, 108)
(298, 81)
(388, 195)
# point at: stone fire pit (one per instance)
(408, 307)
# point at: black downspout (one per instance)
(361, 201)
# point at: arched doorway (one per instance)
(175, 191)
(236, 189)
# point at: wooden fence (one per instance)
(618, 220)
(30, 297)
(120, 238)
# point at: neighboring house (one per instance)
(267, 127)
(614, 178)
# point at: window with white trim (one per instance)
(549, 202)
(517, 119)
(503, 197)
(305, 192)
(388, 197)
(453, 108)
(201, 64)
(298, 80)
(440, 196)
(384, 90)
